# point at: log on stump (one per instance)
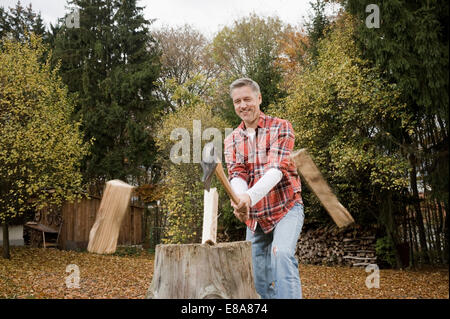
(203, 271)
(210, 207)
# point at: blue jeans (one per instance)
(275, 268)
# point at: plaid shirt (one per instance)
(271, 148)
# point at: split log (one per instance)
(308, 169)
(360, 258)
(360, 264)
(203, 271)
(210, 207)
(105, 231)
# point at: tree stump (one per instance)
(203, 271)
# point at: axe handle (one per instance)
(224, 180)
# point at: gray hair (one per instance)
(245, 82)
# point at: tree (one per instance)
(344, 113)
(20, 21)
(293, 48)
(185, 55)
(40, 146)
(112, 63)
(4, 27)
(411, 48)
(316, 27)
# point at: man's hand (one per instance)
(241, 210)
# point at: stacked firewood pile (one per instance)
(351, 246)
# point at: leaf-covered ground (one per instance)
(41, 273)
(350, 283)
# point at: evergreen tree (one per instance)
(411, 48)
(316, 27)
(4, 26)
(268, 74)
(111, 63)
(19, 20)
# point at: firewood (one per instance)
(105, 231)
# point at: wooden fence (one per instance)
(78, 218)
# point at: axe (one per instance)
(319, 186)
(212, 164)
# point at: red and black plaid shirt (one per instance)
(271, 148)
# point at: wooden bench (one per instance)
(45, 229)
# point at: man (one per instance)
(268, 186)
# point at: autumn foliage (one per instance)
(40, 145)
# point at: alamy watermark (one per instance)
(73, 279)
(73, 19)
(373, 19)
(373, 279)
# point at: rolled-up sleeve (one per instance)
(235, 165)
(282, 140)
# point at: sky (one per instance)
(207, 16)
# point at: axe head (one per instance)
(208, 164)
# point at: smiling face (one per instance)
(246, 104)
